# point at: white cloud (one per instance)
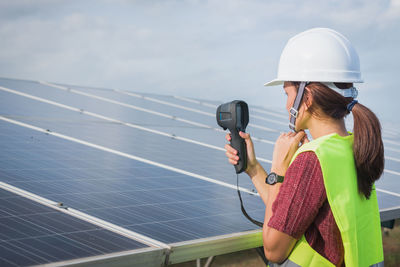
(218, 48)
(392, 14)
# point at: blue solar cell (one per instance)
(157, 202)
(31, 233)
(140, 117)
(387, 200)
(202, 160)
(122, 191)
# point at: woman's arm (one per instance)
(277, 245)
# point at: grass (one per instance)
(391, 245)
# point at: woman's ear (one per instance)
(307, 98)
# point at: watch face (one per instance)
(271, 179)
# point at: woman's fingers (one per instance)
(230, 149)
(228, 137)
(244, 135)
(300, 135)
(232, 156)
(233, 162)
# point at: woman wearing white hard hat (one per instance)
(321, 206)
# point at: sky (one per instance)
(216, 49)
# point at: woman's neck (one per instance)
(323, 126)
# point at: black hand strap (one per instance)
(260, 224)
(294, 111)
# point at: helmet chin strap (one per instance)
(294, 110)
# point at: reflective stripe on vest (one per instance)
(357, 218)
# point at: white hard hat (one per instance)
(318, 55)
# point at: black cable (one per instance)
(260, 224)
(260, 251)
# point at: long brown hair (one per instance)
(368, 145)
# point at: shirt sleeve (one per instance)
(300, 197)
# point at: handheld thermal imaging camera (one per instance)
(235, 117)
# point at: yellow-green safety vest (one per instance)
(356, 217)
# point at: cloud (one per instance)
(392, 13)
(220, 48)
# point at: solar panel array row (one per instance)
(150, 165)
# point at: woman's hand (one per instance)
(233, 157)
(285, 147)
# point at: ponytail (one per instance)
(368, 145)
(368, 148)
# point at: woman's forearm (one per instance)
(258, 175)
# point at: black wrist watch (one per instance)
(273, 178)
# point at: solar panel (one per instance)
(31, 233)
(150, 165)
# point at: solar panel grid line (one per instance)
(392, 158)
(174, 220)
(190, 100)
(39, 234)
(26, 256)
(177, 97)
(388, 148)
(392, 149)
(194, 109)
(83, 216)
(388, 192)
(146, 205)
(391, 130)
(392, 172)
(189, 109)
(269, 113)
(385, 140)
(23, 219)
(175, 251)
(99, 116)
(197, 110)
(142, 109)
(70, 233)
(117, 121)
(30, 251)
(392, 142)
(6, 262)
(93, 234)
(126, 155)
(281, 115)
(163, 102)
(126, 105)
(144, 128)
(277, 114)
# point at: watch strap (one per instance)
(279, 178)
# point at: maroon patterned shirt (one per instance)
(301, 207)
